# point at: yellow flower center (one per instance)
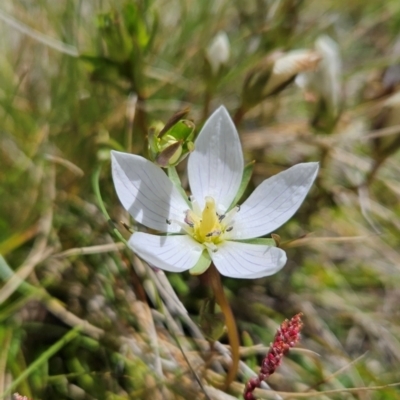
(207, 226)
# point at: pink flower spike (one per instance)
(286, 337)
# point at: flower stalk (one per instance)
(214, 280)
(287, 336)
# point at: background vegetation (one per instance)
(80, 316)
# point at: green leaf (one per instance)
(264, 241)
(202, 265)
(248, 342)
(44, 357)
(99, 65)
(247, 172)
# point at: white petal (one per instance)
(215, 166)
(171, 253)
(274, 201)
(248, 261)
(146, 192)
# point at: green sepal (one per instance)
(264, 241)
(183, 129)
(178, 116)
(247, 172)
(202, 265)
(171, 144)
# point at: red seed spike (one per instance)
(287, 336)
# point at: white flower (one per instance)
(209, 228)
(218, 51)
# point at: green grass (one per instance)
(91, 320)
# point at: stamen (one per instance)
(229, 229)
(187, 228)
(230, 215)
(188, 220)
(214, 233)
(168, 221)
(221, 217)
(191, 218)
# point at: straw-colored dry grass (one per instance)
(81, 317)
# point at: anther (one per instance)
(214, 233)
(188, 220)
(221, 217)
(184, 226)
(168, 221)
(231, 215)
(229, 229)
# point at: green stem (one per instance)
(214, 279)
(374, 170)
(96, 189)
(207, 102)
(130, 118)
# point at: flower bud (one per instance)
(218, 52)
(169, 144)
(274, 73)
